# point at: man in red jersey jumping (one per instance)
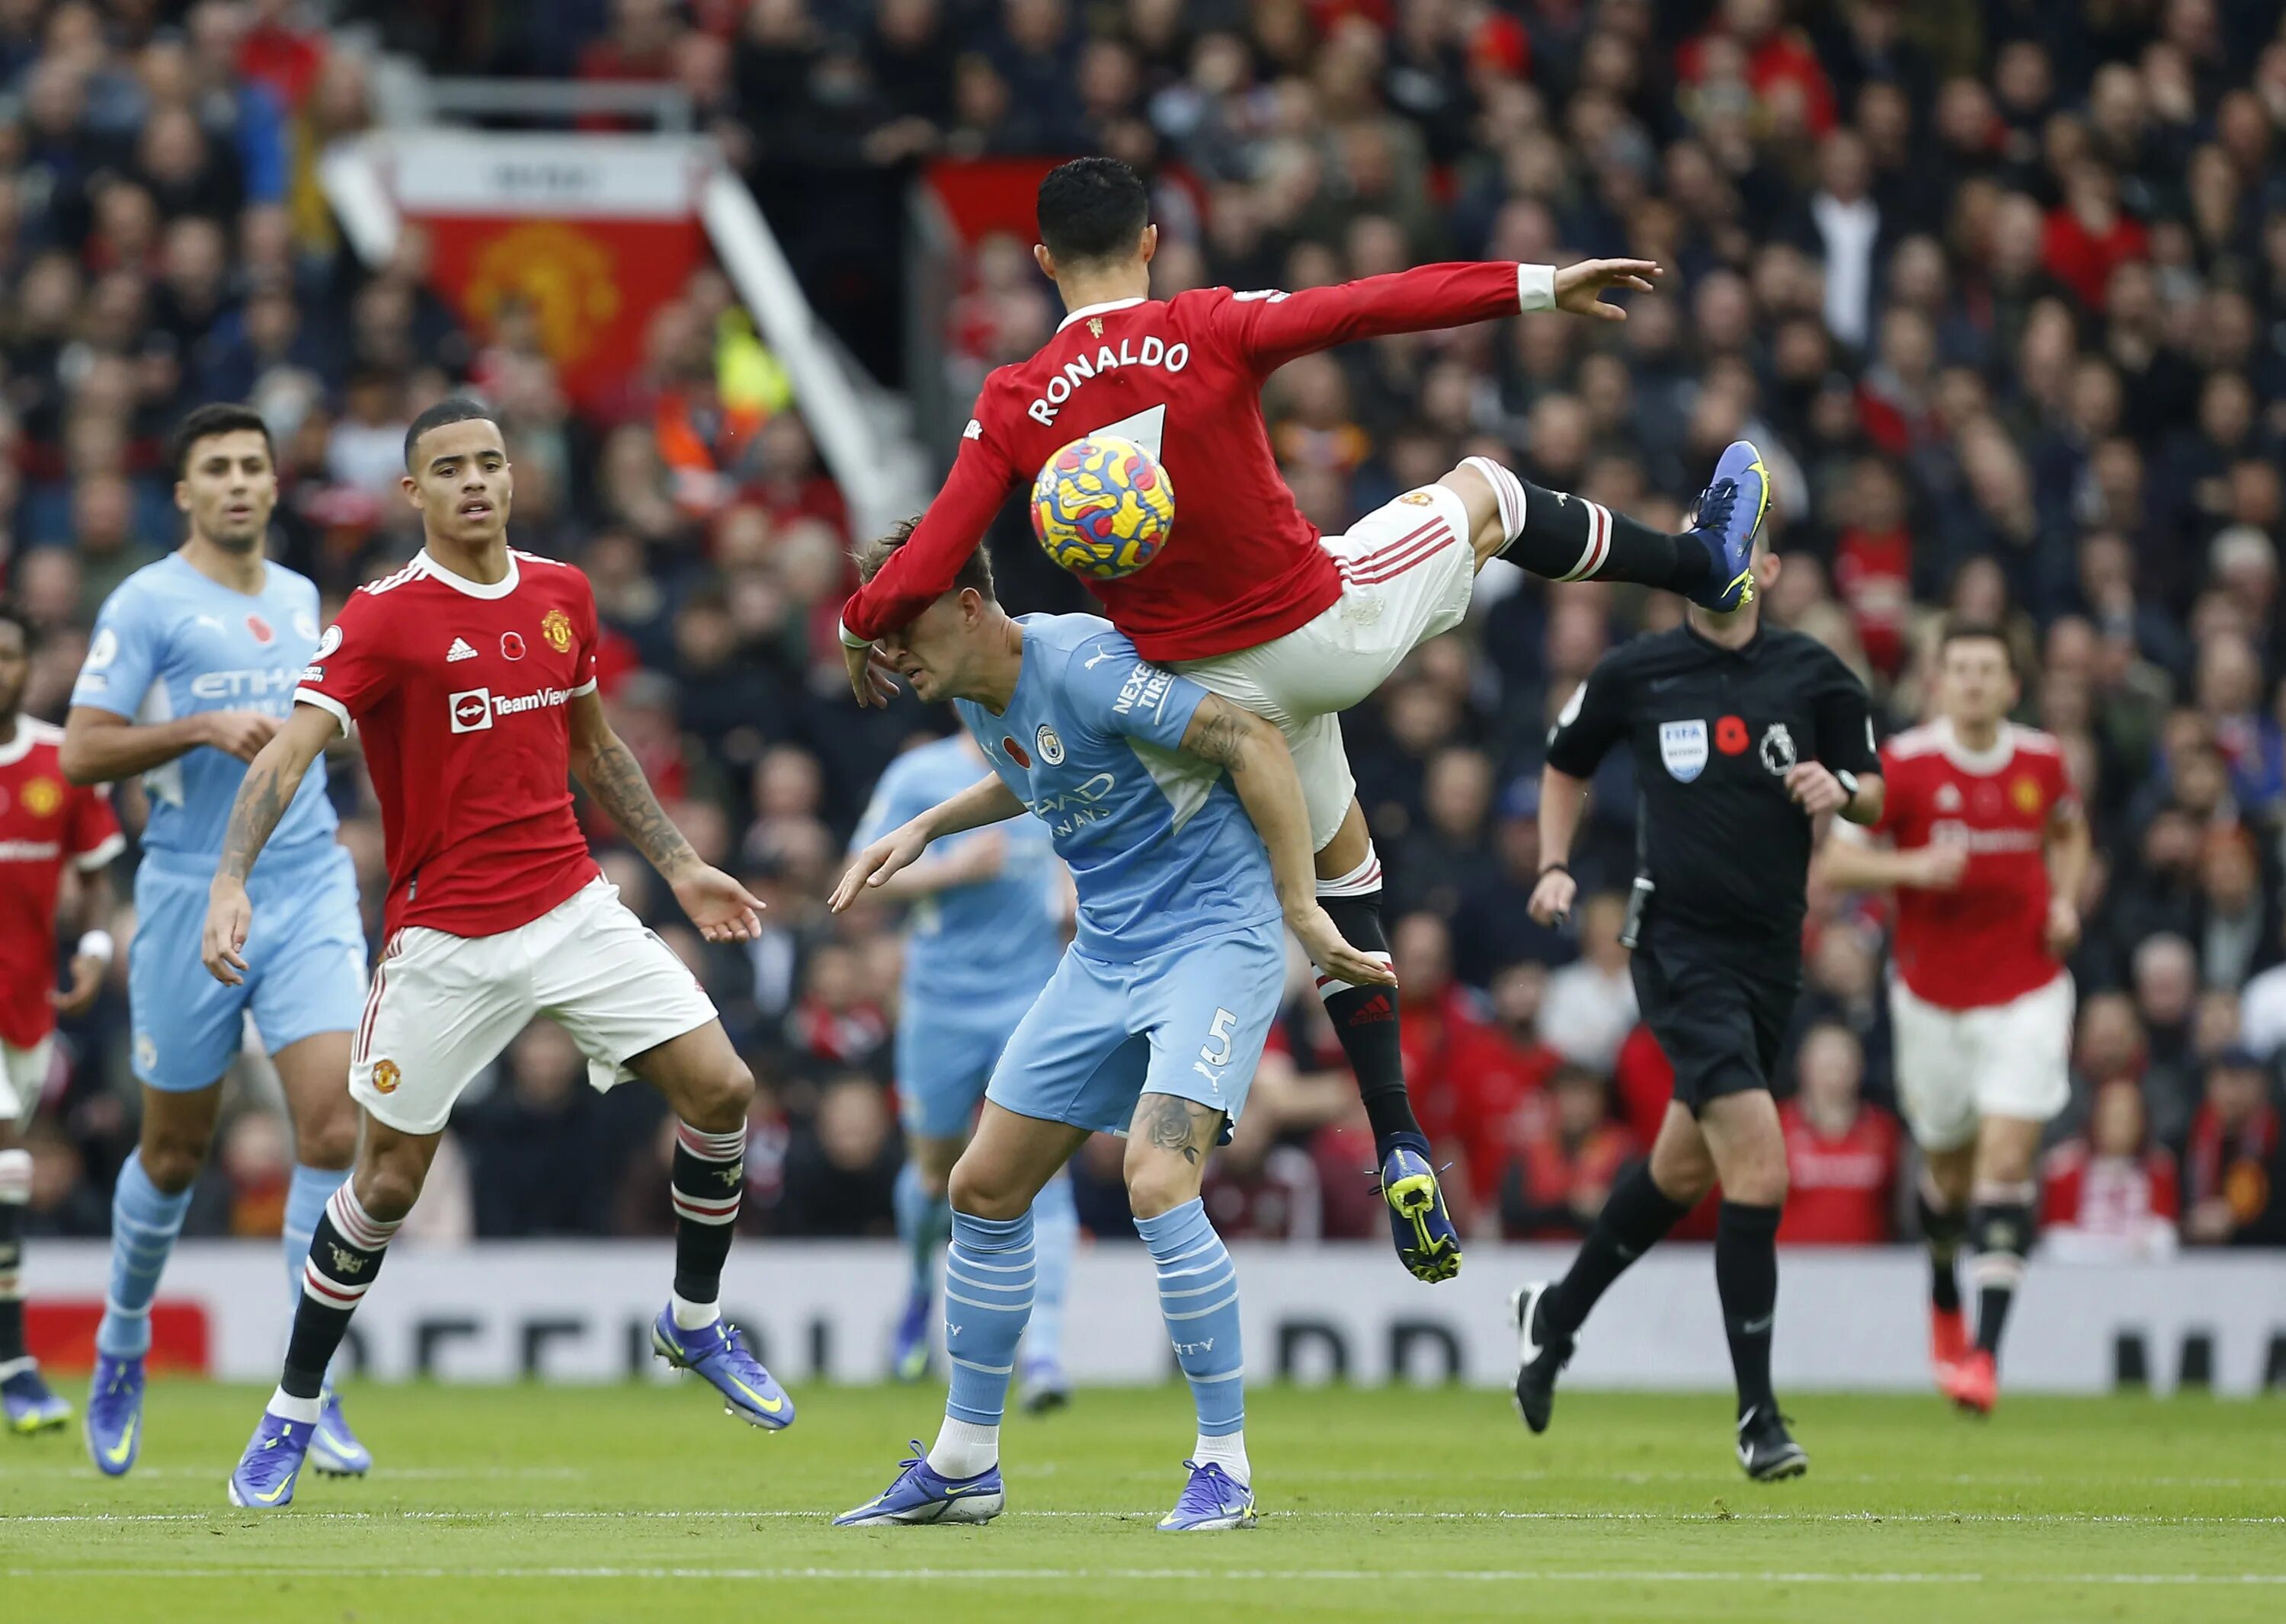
(47, 824)
(1990, 848)
(471, 675)
(1249, 599)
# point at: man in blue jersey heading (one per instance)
(1153, 1022)
(193, 665)
(984, 929)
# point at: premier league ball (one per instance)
(1102, 507)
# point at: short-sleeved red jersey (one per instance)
(460, 693)
(1182, 377)
(45, 822)
(1983, 941)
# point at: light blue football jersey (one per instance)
(1161, 851)
(170, 643)
(995, 942)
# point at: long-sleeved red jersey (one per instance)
(1183, 378)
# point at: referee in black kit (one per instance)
(1744, 737)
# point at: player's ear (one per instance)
(1766, 571)
(1044, 260)
(182, 496)
(1148, 244)
(411, 487)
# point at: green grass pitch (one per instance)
(635, 1503)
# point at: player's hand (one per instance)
(222, 945)
(239, 733)
(1551, 899)
(2063, 927)
(893, 851)
(1815, 788)
(1939, 865)
(869, 675)
(723, 909)
(87, 980)
(1579, 288)
(1322, 939)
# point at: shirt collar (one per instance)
(1085, 310)
(500, 588)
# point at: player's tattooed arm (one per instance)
(269, 787)
(1167, 1122)
(609, 771)
(1262, 771)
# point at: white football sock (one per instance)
(286, 1406)
(1228, 1452)
(963, 1448)
(689, 1316)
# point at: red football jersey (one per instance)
(1982, 943)
(1182, 378)
(45, 822)
(459, 692)
(1838, 1189)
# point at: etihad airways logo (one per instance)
(473, 709)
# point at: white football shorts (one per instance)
(1955, 1065)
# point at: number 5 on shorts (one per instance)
(1217, 1050)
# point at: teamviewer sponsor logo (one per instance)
(472, 710)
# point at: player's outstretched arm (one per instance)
(102, 746)
(1851, 861)
(263, 796)
(722, 908)
(989, 800)
(1262, 771)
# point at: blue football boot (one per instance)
(114, 1424)
(266, 1472)
(1729, 513)
(909, 1349)
(27, 1403)
(920, 1495)
(1212, 1498)
(1046, 1387)
(719, 1355)
(1427, 1243)
(333, 1449)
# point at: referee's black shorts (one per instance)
(1720, 1017)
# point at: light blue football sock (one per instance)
(987, 1296)
(1198, 1295)
(1055, 1229)
(144, 1225)
(922, 1223)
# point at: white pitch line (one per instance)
(512, 1515)
(1191, 1575)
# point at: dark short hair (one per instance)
(1979, 631)
(10, 614)
(1092, 208)
(205, 422)
(975, 569)
(457, 409)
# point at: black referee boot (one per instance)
(1539, 1354)
(1766, 1449)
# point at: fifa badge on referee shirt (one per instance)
(1682, 748)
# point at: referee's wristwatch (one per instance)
(1847, 780)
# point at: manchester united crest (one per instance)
(2025, 792)
(555, 626)
(385, 1077)
(43, 797)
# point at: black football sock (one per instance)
(1563, 537)
(1943, 1227)
(1636, 1216)
(345, 1254)
(1747, 1278)
(2000, 1224)
(1366, 1019)
(708, 1180)
(15, 1192)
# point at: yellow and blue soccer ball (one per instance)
(1102, 507)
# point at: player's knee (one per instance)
(327, 1142)
(1158, 1182)
(720, 1101)
(387, 1186)
(975, 1192)
(172, 1155)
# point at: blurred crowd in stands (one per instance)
(1999, 287)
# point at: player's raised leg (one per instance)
(314, 1073)
(1563, 537)
(1167, 1149)
(710, 1090)
(1055, 1239)
(147, 1206)
(991, 1273)
(346, 1251)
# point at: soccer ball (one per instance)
(1102, 507)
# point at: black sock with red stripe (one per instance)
(1365, 1018)
(708, 1179)
(1563, 537)
(345, 1255)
